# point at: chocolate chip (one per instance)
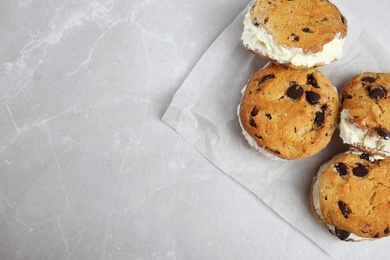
(345, 97)
(268, 116)
(306, 30)
(311, 80)
(377, 93)
(342, 234)
(368, 79)
(324, 19)
(252, 122)
(259, 136)
(293, 37)
(382, 132)
(360, 170)
(312, 97)
(319, 119)
(255, 111)
(324, 107)
(342, 19)
(255, 22)
(377, 235)
(274, 151)
(266, 20)
(294, 91)
(344, 209)
(341, 168)
(387, 231)
(266, 77)
(365, 156)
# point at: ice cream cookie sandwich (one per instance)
(296, 33)
(288, 114)
(365, 116)
(351, 196)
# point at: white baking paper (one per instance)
(203, 111)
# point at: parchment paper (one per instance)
(204, 112)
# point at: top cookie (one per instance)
(297, 33)
(289, 113)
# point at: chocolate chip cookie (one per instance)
(287, 113)
(351, 196)
(296, 33)
(365, 116)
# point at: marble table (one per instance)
(88, 170)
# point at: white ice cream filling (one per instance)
(259, 40)
(316, 197)
(353, 135)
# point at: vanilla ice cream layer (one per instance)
(259, 40)
(316, 198)
(353, 135)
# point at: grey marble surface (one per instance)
(87, 168)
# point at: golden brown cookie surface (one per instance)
(305, 24)
(290, 113)
(366, 99)
(354, 196)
